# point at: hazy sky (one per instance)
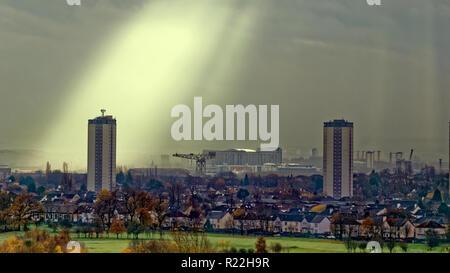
(385, 68)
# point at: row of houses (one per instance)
(318, 224)
(401, 219)
(250, 222)
(283, 223)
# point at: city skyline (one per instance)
(386, 70)
(358, 154)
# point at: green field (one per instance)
(290, 244)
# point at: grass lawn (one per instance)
(290, 244)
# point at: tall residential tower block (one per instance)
(101, 153)
(338, 159)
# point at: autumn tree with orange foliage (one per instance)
(117, 227)
(219, 184)
(181, 242)
(128, 206)
(161, 210)
(152, 246)
(144, 204)
(144, 217)
(6, 199)
(239, 214)
(25, 210)
(337, 225)
(368, 226)
(261, 245)
(137, 206)
(105, 206)
(144, 208)
(37, 241)
(143, 200)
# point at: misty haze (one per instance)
(384, 68)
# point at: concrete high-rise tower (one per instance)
(338, 158)
(101, 153)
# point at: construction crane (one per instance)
(200, 160)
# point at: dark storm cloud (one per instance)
(384, 68)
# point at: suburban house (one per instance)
(346, 227)
(400, 228)
(176, 219)
(288, 223)
(219, 220)
(422, 228)
(317, 224)
(248, 222)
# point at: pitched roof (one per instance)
(216, 214)
(176, 214)
(318, 219)
(290, 217)
(309, 217)
(430, 224)
(397, 222)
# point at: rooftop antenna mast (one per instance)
(103, 112)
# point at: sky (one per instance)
(384, 68)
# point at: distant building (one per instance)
(296, 169)
(159, 172)
(338, 158)
(101, 153)
(245, 157)
(5, 172)
(370, 160)
(404, 166)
